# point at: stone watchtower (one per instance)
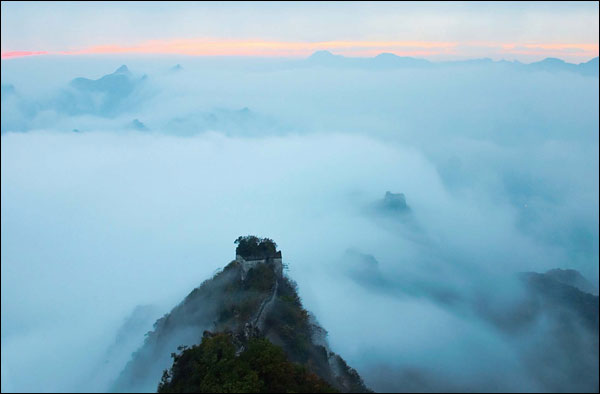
(252, 250)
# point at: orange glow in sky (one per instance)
(261, 48)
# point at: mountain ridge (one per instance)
(391, 60)
(249, 298)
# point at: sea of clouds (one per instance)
(115, 200)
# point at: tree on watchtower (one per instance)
(251, 247)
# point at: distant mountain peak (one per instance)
(590, 67)
(322, 52)
(387, 54)
(573, 278)
(122, 70)
(138, 125)
(552, 60)
(552, 64)
(393, 202)
(324, 55)
(7, 89)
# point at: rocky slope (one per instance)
(250, 298)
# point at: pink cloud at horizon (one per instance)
(12, 54)
(262, 48)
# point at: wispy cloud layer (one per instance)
(129, 188)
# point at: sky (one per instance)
(524, 31)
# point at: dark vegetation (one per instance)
(214, 367)
(251, 247)
(227, 304)
(569, 336)
(239, 299)
(569, 304)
